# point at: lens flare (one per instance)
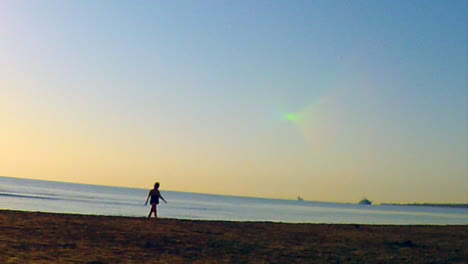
(291, 117)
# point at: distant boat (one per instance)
(365, 201)
(300, 198)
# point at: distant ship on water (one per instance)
(365, 201)
(300, 198)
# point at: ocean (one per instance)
(60, 197)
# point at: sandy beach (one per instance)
(33, 237)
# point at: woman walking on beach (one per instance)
(155, 195)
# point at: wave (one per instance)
(28, 196)
(197, 208)
(95, 201)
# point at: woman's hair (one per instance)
(156, 185)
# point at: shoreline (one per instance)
(144, 216)
(36, 237)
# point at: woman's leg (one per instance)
(153, 209)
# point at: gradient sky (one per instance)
(329, 100)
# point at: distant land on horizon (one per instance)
(454, 205)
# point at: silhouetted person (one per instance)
(155, 195)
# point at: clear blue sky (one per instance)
(195, 94)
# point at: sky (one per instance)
(327, 100)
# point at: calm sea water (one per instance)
(47, 196)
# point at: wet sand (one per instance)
(32, 237)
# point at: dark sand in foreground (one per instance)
(30, 237)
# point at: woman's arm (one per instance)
(160, 196)
(147, 198)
